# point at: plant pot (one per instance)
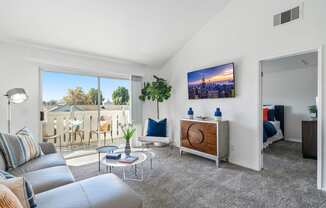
(127, 148)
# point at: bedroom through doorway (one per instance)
(289, 115)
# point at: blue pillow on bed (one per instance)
(269, 129)
(155, 128)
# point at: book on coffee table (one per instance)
(113, 156)
(129, 159)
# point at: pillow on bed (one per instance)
(269, 128)
(271, 114)
(265, 114)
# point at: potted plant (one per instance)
(157, 91)
(313, 111)
(128, 132)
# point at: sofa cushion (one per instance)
(45, 161)
(105, 191)
(49, 178)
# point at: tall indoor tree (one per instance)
(157, 91)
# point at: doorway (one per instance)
(290, 117)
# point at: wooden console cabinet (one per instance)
(209, 139)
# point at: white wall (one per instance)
(19, 67)
(296, 89)
(241, 33)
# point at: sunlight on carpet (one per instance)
(80, 161)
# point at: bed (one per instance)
(273, 124)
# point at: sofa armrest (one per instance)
(47, 148)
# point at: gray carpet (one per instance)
(288, 181)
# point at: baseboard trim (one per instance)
(299, 140)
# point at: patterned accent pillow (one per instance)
(17, 186)
(8, 199)
(19, 149)
(33, 149)
(28, 188)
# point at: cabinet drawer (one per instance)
(199, 136)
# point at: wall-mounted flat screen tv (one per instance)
(212, 82)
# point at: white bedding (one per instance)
(278, 136)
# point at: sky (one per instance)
(55, 85)
(213, 74)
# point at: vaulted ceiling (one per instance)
(143, 31)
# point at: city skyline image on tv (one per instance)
(212, 82)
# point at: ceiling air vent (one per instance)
(288, 16)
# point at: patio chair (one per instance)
(105, 129)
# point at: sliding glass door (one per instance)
(81, 112)
(114, 109)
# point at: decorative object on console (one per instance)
(157, 91)
(190, 113)
(218, 114)
(209, 139)
(15, 96)
(213, 82)
(313, 112)
(128, 132)
(202, 118)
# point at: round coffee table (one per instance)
(104, 149)
(116, 163)
(149, 152)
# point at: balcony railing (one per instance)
(82, 128)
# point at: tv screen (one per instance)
(213, 82)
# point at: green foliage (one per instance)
(127, 130)
(93, 96)
(158, 91)
(77, 96)
(120, 96)
(313, 109)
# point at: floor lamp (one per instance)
(16, 95)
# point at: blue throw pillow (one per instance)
(157, 129)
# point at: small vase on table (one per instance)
(128, 132)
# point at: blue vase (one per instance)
(218, 114)
(190, 113)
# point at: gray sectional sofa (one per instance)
(54, 185)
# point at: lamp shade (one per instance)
(17, 95)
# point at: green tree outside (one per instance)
(93, 96)
(120, 96)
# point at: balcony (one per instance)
(78, 130)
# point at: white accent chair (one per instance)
(157, 141)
